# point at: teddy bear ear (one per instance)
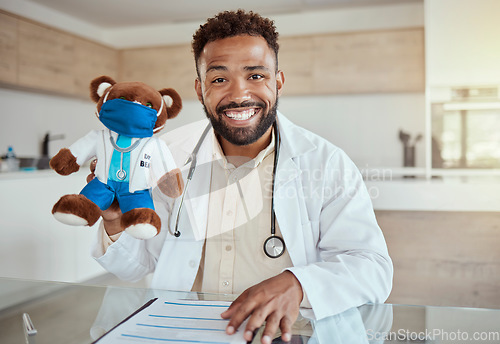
(99, 85)
(172, 100)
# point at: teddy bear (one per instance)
(130, 160)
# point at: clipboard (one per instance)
(140, 309)
(165, 320)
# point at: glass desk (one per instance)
(78, 313)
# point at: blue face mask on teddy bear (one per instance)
(128, 118)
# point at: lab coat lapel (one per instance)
(289, 204)
(198, 191)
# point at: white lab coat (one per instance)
(324, 212)
(149, 161)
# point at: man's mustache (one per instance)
(234, 105)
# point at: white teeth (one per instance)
(241, 115)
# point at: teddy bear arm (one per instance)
(64, 162)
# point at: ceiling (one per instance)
(128, 13)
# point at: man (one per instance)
(335, 255)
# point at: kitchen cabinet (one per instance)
(90, 61)
(295, 60)
(359, 62)
(8, 48)
(356, 62)
(45, 58)
(41, 58)
(161, 67)
(362, 62)
(370, 62)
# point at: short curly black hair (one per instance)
(234, 23)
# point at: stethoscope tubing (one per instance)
(274, 246)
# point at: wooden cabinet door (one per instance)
(45, 58)
(161, 67)
(92, 60)
(8, 48)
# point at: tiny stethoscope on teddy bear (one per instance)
(274, 246)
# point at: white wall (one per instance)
(27, 116)
(462, 42)
(365, 126)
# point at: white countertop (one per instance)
(447, 194)
(435, 195)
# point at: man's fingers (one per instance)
(92, 170)
(234, 305)
(272, 323)
(286, 328)
(90, 177)
(239, 315)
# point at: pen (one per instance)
(29, 330)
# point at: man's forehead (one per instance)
(237, 52)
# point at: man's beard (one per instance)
(242, 136)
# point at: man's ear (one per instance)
(98, 87)
(172, 101)
(197, 88)
(280, 81)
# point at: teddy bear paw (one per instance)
(141, 223)
(76, 210)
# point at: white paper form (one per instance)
(176, 322)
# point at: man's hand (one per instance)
(111, 217)
(275, 301)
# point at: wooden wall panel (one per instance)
(362, 62)
(369, 62)
(8, 48)
(161, 67)
(45, 58)
(296, 61)
(359, 62)
(90, 61)
(39, 57)
(444, 258)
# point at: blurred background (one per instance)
(408, 88)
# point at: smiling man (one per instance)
(308, 238)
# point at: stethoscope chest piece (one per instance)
(274, 247)
(121, 174)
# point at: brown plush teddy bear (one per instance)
(130, 160)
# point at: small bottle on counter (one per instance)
(11, 160)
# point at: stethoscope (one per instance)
(121, 174)
(274, 246)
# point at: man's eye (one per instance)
(256, 77)
(149, 105)
(218, 80)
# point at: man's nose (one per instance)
(239, 91)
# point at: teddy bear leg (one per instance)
(76, 210)
(141, 223)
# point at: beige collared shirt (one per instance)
(239, 222)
